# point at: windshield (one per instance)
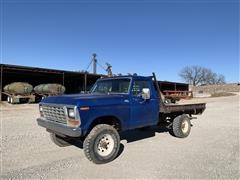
(111, 86)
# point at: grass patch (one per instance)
(220, 94)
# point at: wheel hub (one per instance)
(103, 144)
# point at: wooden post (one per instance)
(85, 82)
(1, 78)
(161, 97)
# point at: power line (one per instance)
(101, 66)
(89, 65)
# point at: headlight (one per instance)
(71, 113)
(41, 110)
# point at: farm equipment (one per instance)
(19, 91)
(174, 96)
(45, 90)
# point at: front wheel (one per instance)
(102, 144)
(181, 126)
(8, 99)
(11, 100)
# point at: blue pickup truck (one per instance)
(113, 105)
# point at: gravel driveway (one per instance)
(211, 150)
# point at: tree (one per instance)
(197, 75)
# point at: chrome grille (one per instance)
(54, 113)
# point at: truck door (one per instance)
(143, 112)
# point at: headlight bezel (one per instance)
(72, 121)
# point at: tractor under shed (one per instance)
(74, 82)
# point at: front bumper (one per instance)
(59, 128)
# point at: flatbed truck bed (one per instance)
(193, 109)
(172, 108)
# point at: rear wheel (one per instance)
(8, 99)
(181, 126)
(58, 140)
(102, 144)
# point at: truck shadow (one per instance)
(139, 134)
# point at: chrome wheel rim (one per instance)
(105, 145)
(185, 126)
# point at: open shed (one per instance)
(74, 82)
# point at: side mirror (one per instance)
(146, 93)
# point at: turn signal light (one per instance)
(73, 122)
(84, 108)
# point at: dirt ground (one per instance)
(211, 150)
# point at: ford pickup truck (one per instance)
(113, 105)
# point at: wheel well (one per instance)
(110, 120)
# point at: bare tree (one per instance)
(197, 75)
(221, 79)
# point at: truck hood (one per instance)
(86, 99)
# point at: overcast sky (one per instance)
(133, 36)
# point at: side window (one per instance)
(138, 85)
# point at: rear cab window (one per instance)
(139, 85)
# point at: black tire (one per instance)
(173, 101)
(102, 135)
(58, 140)
(181, 126)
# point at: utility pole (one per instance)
(94, 63)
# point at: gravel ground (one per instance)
(211, 150)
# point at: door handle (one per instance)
(143, 102)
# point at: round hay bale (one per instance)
(50, 89)
(21, 88)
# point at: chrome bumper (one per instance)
(59, 128)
